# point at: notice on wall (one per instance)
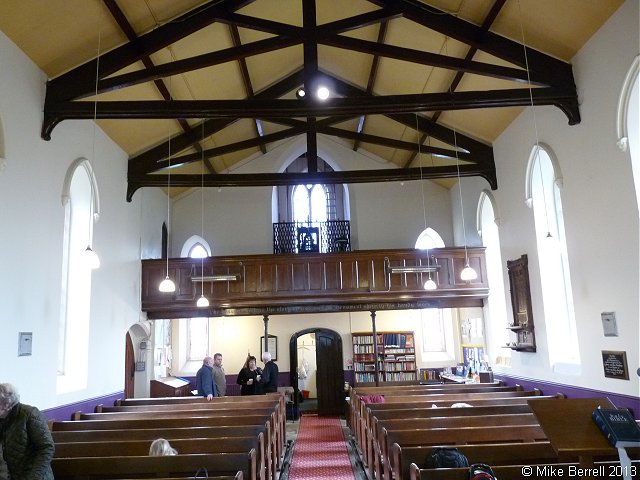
(615, 364)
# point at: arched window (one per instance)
(496, 307)
(197, 338)
(80, 201)
(195, 247)
(429, 238)
(544, 197)
(309, 203)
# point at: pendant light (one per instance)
(468, 273)
(549, 236)
(203, 301)
(167, 285)
(91, 258)
(430, 284)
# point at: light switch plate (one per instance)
(25, 341)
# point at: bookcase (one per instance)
(396, 357)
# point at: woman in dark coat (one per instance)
(25, 439)
(248, 377)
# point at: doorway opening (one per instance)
(321, 380)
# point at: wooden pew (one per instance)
(564, 471)
(193, 399)
(453, 437)
(376, 448)
(133, 423)
(216, 464)
(266, 450)
(371, 409)
(531, 453)
(126, 448)
(276, 437)
(475, 399)
(433, 399)
(275, 401)
(356, 393)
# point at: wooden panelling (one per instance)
(346, 281)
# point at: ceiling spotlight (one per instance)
(323, 93)
(300, 93)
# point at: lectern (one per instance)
(169, 387)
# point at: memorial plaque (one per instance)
(615, 364)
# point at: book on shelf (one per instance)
(618, 426)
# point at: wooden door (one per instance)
(129, 368)
(330, 375)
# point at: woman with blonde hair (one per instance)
(161, 447)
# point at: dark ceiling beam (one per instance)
(260, 24)
(486, 24)
(232, 147)
(81, 80)
(358, 21)
(298, 178)
(310, 53)
(431, 59)
(557, 72)
(373, 73)
(236, 53)
(324, 126)
(147, 161)
(393, 143)
(246, 80)
(128, 30)
(564, 99)
(479, 150)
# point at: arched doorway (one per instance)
(330, 373)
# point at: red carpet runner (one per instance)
(320, 451)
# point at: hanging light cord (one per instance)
(455, 149)
(93, 143)
(535, 123)
(202, 205)
(424, 208)
(169, 190)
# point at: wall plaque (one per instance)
(615, 364)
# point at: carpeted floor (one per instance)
(320, 450)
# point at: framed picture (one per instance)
(615, 364)
(273, 346)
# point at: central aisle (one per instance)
(320, 450)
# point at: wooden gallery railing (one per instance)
(312, 283)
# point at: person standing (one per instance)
(219, 376)
(25, 439)
(204, 379)
(269, 378)
(248, 377)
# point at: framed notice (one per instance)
(615, 364)
(273, 346)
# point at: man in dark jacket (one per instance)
(204, 379)
(269, 378)
(25, 440)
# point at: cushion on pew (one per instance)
(372, 399)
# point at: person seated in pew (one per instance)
(204, 379)
(248, 377)
(25, 439)
(161, 447)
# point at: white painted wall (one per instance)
(31, 232)
(383, 215)
(600, 212)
